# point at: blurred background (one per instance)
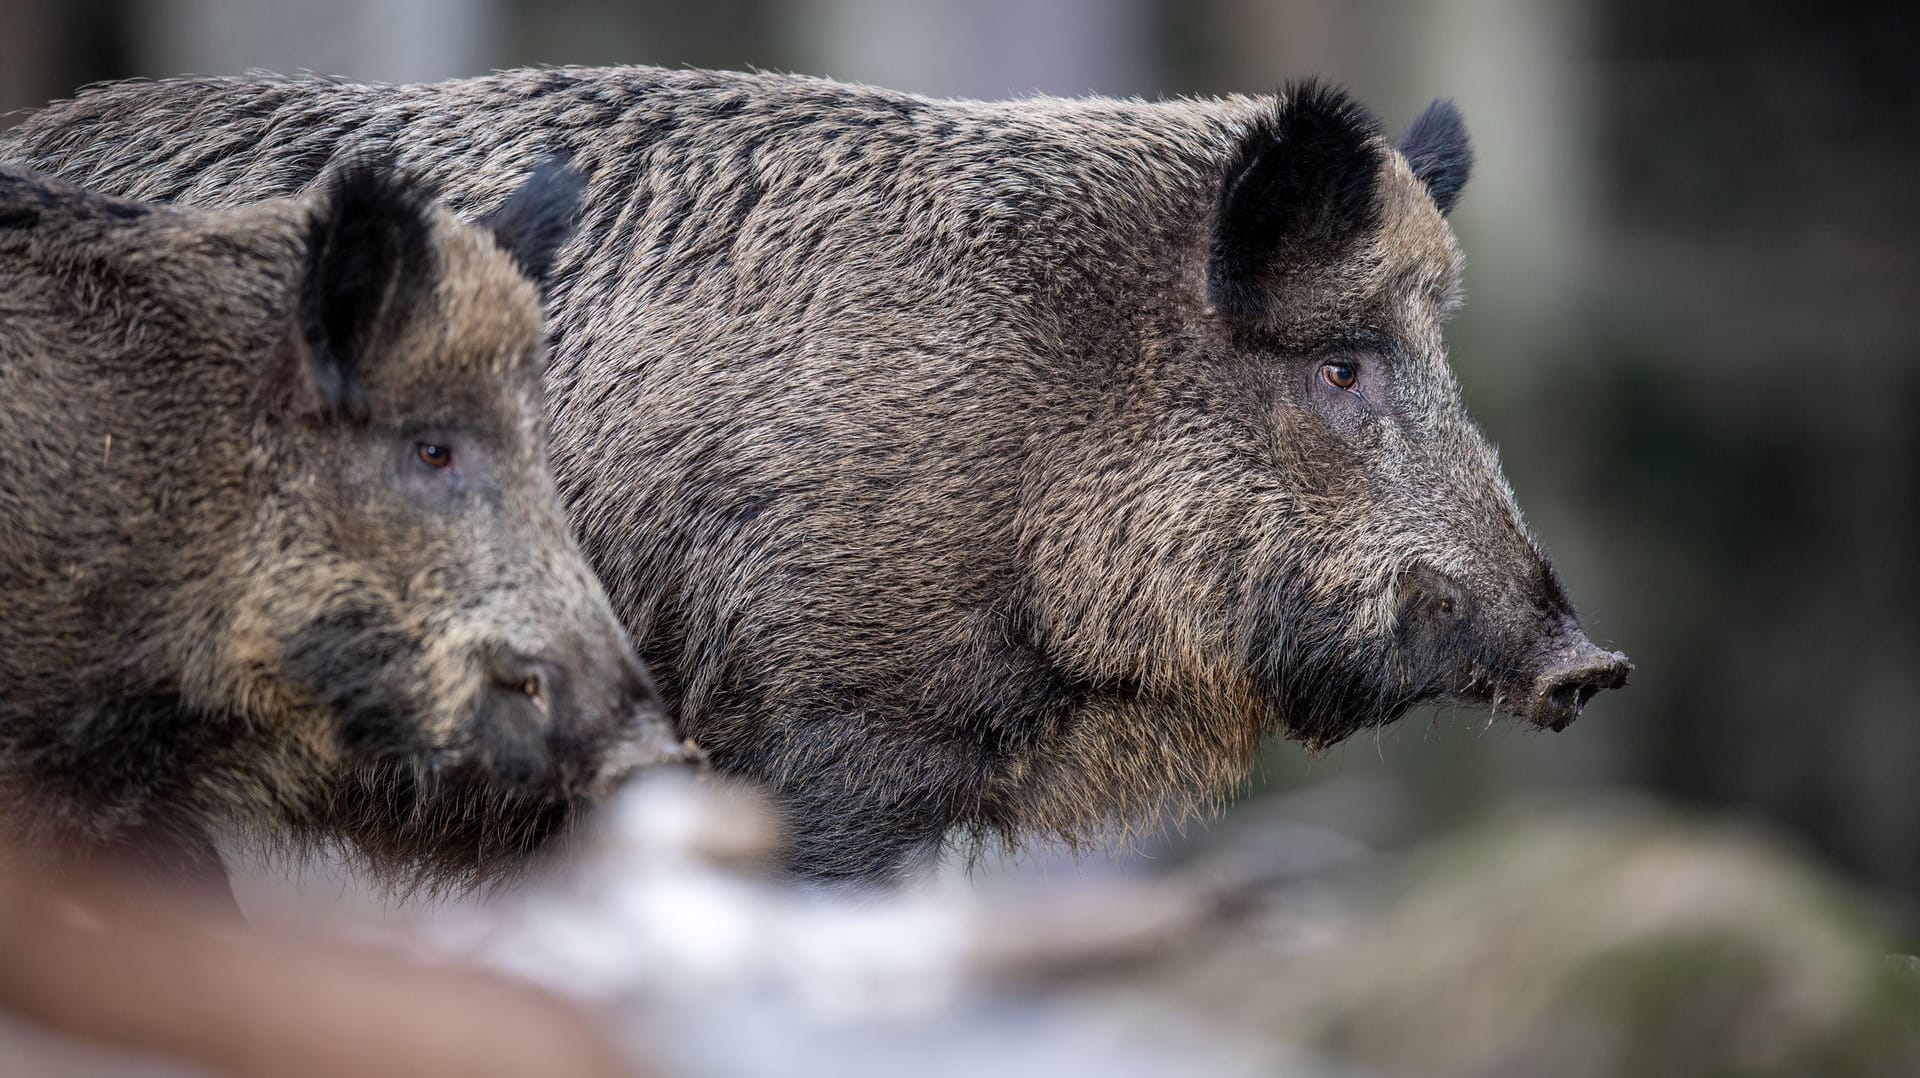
(1693, 259)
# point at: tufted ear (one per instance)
(370, 260)
(538, 219)
(1436, 148)
(1301, 188)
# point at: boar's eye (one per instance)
(1339, 374)
(433, 455)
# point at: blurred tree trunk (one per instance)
(23, 59)
(50, 48)
(989, 49)
(380, 40)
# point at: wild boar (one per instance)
(280, 551)
(990, 466)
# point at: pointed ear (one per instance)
(370, 260)
(1436, 148)
(538, 219)
(1302, 187)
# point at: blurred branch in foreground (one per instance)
(1583, 942)
(163, 980)
(1596, 939)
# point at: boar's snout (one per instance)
(1524, 653)
(584, 716)
(1570, 675)
(645, 735)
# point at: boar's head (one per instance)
(1292, 498)
(415, 576)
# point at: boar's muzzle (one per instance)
(1569, 674)
(1523, 652)
(586, 720)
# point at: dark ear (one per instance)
(1436, 147)
(1301, 188)
(22, 197)
(538, 219)
(370, 260)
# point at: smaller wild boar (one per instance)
(280, 554)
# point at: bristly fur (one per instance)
(222, 615)
(1437, 150)
(965, 467)
(449, 828)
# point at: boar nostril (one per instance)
(517, 672)
(531, 687)
(1571, 697)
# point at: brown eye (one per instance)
(433, 456)
(1339, 375)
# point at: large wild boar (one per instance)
(990, 466)
(280, 553)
